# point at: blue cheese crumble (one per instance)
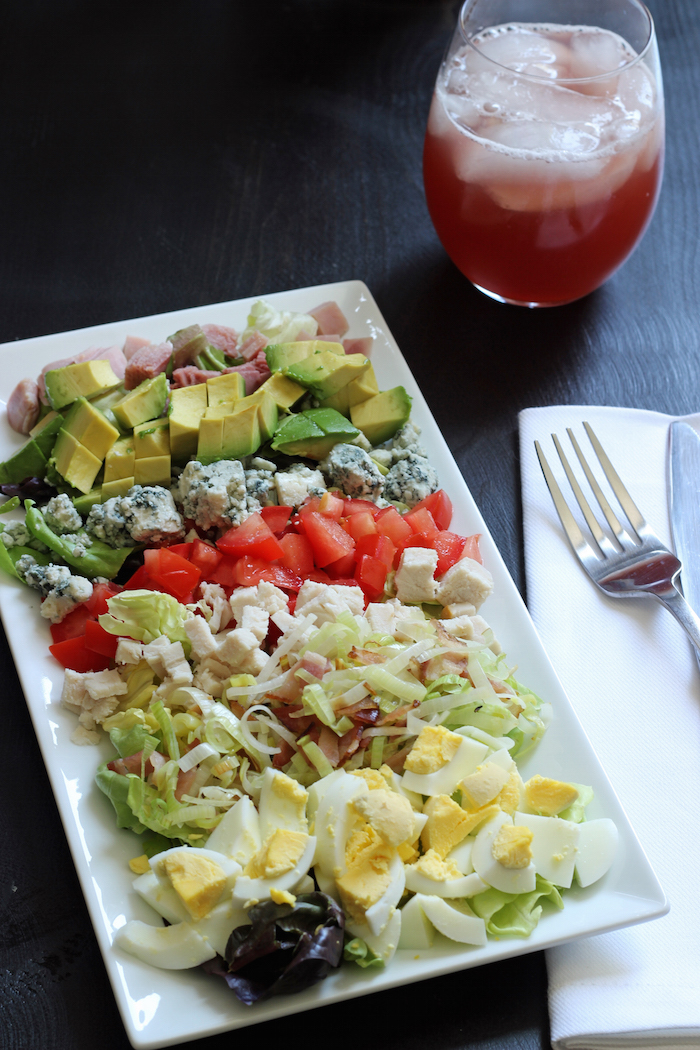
(350, 469)
(61, 516)
(410, 480)
(215, 495)
(297, 483)
(61, 590)
(147, 514)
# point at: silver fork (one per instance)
(638, 564)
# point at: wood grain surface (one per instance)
(168, 153)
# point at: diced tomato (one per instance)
(419, 539)
(101, 593)
(183, 549)
(449, 547)
(251, 571)
(361, 523)
(100, 641)
(205, 556)
(378, 547)
(74, 655)
(319, 576)
(253, 537)
(356, 506)
(140, 581)
(225, 572)
(391, 524)
(371, 575)
(343, 568)
(297, 554)
(173, 574)
(440, 506)
(421, 520)
(328, 538)
(72, 625)
(471, 547)
(331, 506)
(277, 518)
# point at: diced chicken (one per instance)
(147, 363)
(414, 578)
(466, 581)
(199, 634)
(129, 651)
(330, 319)
(23, 406)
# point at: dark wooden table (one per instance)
(169, 153)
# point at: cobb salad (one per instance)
(315, 729)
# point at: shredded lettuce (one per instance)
(280, 326)
(145, 616)
(515, 914)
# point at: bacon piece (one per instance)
(185, 780)
(23, 406)
(132, 763)
(367, 656)
(330, 318)
(223, 338)
(328, 743)
(147, 363)
(362, 345)
(348, 744)
(284, 755)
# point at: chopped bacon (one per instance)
(328, 743)
(185, 780)
(348, 744)
(292, 716)
(397, 760)
(330, 318)
(284, 755)
(367, 656)
(132, 763)
(364, 712)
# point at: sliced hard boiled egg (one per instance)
(170, 947)
(461, 856)
(383, 944)
(554, 845)
(464, 886)
(455, 920)
(417, 931)
(597, 846)
(216, 927)
(334, 822)
(260, 889)
(379, 914)
(444, 780)
(282, 803)
(509, 880)
(238, 833)
(159, 893)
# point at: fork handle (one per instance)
(676, 604)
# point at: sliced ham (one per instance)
(190, 375)
(223, 338)
(132, 343)
(359, 346)
(23, 406)
(252, 345)
(255, 372)
(147, 363)
(330, 319)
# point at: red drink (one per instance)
(540, 186)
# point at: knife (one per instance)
(684, 501)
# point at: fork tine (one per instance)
(601, 539)
(634, 515)
(607, 510)
(576, 538)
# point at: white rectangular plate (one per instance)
(161, 1007)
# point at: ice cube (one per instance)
(594, 52)
(523, 50)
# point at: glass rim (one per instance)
(639, 57)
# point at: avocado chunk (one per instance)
(118, 487)
(313, 434)
(187, 406)
(280, 355)
(325, 373)
(268, 414)
(228, 387)
(379, 417)
(87, 424)
(45, 421)
(152, 439)
(27, 462)
(86, 500)
(241, 433)
(152, 470)
(119, 461)
(284, 391)
(46, 437)
(74, 462)
(86, 379)
(144, 402)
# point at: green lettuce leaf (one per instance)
(146, 615)
(514, 914)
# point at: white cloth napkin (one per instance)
(631, 675)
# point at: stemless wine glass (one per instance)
(544, 149)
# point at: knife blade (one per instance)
(684, 501)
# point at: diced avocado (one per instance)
(145, 402)
(241, 433)
(187, 406)
(119, 461)
(104, 403)
(84, 502)
(313, 433)
(50, 417)
(227, 387)
(357, 390)
(285, 391)
(268, 415)
(152, 439)
(280, 355)
(152, 470)
(88, 426)
(339, 401)
(324, 374)
(27, 462)
(46, 437)
(211, 432)
(86, 379)
(75, 462)
(379, 417)
(118, 487)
